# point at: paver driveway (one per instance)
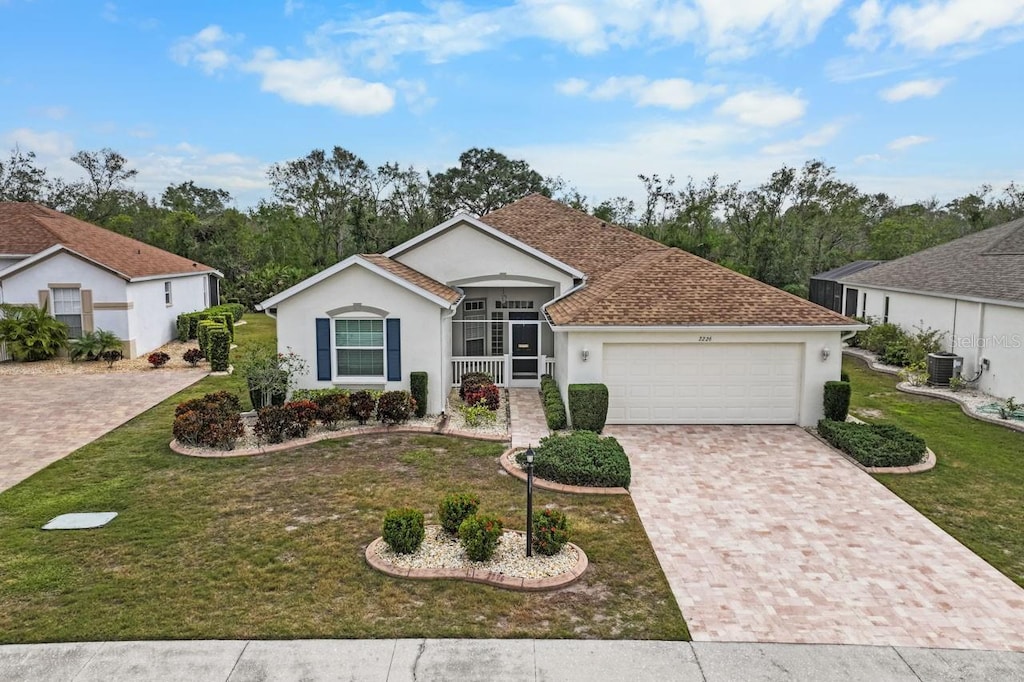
(46, 417)
(767, 535)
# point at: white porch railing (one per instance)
(4, 355)
(549, 365)
(493, 365)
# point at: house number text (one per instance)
(704, 339)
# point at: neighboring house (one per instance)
(91, 278)
(826, 288)
(972, 289)
(537, 287)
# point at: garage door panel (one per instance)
(703, 383)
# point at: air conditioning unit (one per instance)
(942, 367)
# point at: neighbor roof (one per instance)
(836, 274)
(27, 229)
(986, 265)
(635, 281)
(415, 277)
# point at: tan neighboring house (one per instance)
(91, 278)
(539, 288)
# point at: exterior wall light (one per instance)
(585, 354)
(825, 353)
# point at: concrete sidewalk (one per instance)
(497, 660)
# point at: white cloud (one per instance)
(46, 144)
(572, 86)
(292, 6)
(917, 88)
(415, 94)
(319, 81)
(54, 113)
(800, 146)
(734, 29)
(671, 93)
(764, 108)
(937, 24)
(867, 18)
(867, 158)
(206, 49)
(902, 143)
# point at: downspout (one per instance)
(446, 318)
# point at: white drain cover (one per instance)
(80, 521)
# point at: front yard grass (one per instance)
(271, 546)
(975, 490)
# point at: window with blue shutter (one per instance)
(394, 348)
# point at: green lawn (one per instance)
(976, 489)
(271, 546)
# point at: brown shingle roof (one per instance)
(27, 229)
(414, 276)
(987, 264)
(634, 281)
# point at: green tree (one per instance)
(484, 181)
(21, 179)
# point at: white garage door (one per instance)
(755, 383)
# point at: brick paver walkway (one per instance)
(46, 417)
(767, 535)
(526, 417)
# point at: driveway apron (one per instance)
(43, 418)
(767, 535)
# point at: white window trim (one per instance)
(364, 379)
(168, 294)
(81, 310)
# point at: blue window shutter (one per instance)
(394, 349)
(323, 349)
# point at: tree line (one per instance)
(328, 205)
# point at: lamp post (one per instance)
(529, 501)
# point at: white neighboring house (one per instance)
(972, 289)
(92, 278)
(537, 287)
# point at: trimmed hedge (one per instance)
(837, 400)
(588, 406)
(479, 535)
(418, 388)
(581, 458)
(874, 445)
(394, 407)
(210, 421)
(554, 408)
(182, 325)
(403, 530)
(218, 345)
(361, 405)
(473, 381)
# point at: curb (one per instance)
(926, 465)
(477, 575)
(513, 470)
(298, 442)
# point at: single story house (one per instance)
(971, 288)
(826, 288)
(92, 278)
(539, 288)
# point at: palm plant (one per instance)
(91, 345)
(30, 332)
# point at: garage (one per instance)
(724, 383)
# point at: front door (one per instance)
(524, 346)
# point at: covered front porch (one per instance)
(502, 331)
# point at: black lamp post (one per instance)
(529, 501)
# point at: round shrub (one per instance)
(303, 414)
(403, 530)
(273, 423)
(581, 458)
(158, 359)
(472, 381)
(874, 445)
(361, 405)
(479, 535)
(456, 508)
(550, 531)
(331, 408)
(210, 421)
(192, 356)
(395, 407)
(488, 394)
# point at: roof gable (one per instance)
(984, 265)
(382, 266)
(27, 228)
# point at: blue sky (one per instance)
(917, 99)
